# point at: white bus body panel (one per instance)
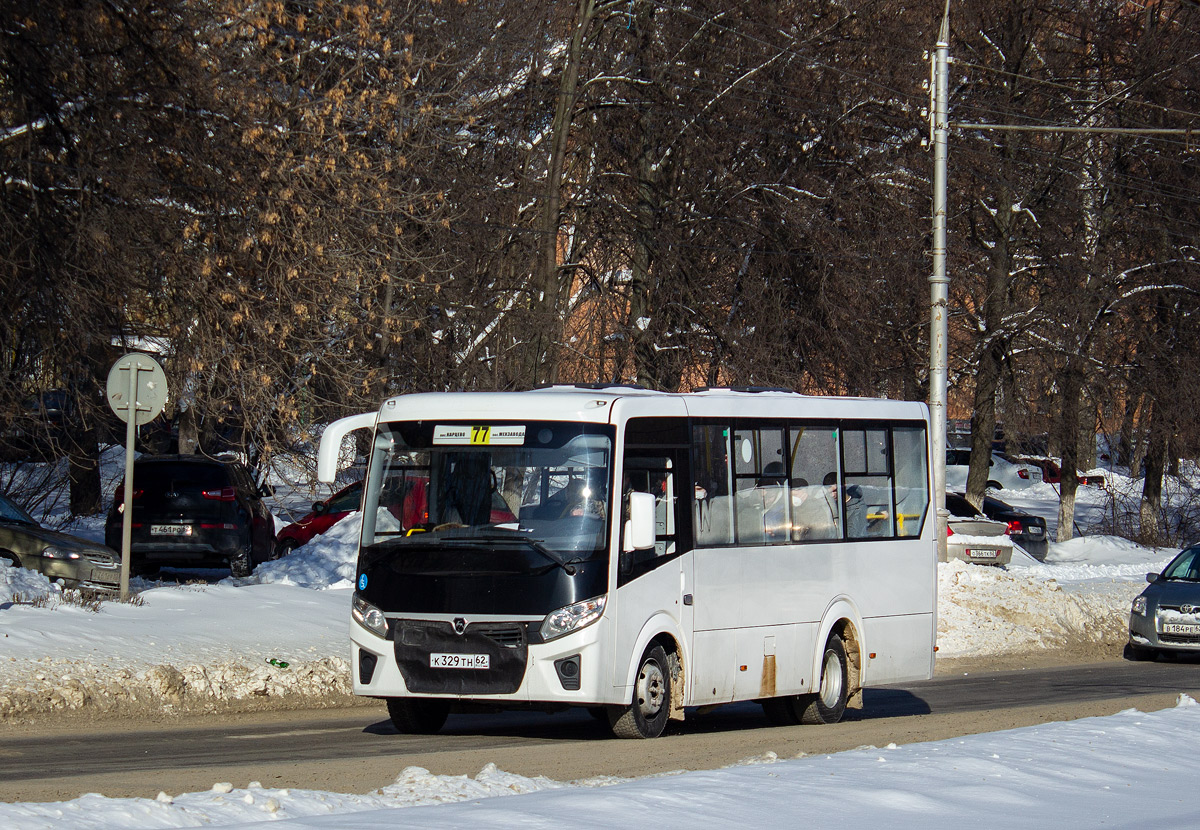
(740, 615)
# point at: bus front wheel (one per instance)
(646, 716)
(828, 704)
(416, 715)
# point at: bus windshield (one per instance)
(540, 486)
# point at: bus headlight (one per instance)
(1139, 606)
(571, 618)
(368, 616)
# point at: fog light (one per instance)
(366, 666)
(568, 672)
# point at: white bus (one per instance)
(638, 553)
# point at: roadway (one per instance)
(355, 749)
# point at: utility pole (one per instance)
(939, 282)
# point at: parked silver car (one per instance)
(1165, 617)
(1002, 473)
(77, 562)
(973, 537)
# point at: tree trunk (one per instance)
(189, 431)
(1068, 429)
(547, 299)
(983, 424)
(993, 350)
(1151, 532)
(83, 463)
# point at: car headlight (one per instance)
(368, 616)
(58, 553)
(572, 618)
(1139, 606)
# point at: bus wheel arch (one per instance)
(848, 633)
(842, 624)
(657, 691)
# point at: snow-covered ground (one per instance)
(197, 646)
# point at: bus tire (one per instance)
(646, 715)
(828, 704)
(418, 715)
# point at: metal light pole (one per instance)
(939, 282)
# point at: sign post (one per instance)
(137, 392)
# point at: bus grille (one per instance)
(509, 635)
(504, 644)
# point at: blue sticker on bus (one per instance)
(362, 582)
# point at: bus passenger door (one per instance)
(653, 582)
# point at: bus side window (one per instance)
(912, 479)
(870, 512)
(713, 506)
(813, 451)
(656, 476)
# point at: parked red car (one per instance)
(324, 515)
(409, 507)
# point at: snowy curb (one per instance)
(167, 688)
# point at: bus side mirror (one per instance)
(639, 527)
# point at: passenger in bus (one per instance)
(582, 497)
(812, 515)
(826, 510)
(802, 513)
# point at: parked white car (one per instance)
(1002, 474)
(973, 537)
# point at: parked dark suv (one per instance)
(192, 511)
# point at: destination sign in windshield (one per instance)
(478, 435)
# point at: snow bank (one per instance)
(328, 561)
(984, 610)
(185, 647)
(22, 585)
(1116, 771)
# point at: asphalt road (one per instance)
(357, 750)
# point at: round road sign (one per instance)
(138, 377)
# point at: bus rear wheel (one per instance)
(418, 715)
(646, 716)
(829, 703)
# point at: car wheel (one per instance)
(646, 715)
(283, 548)
(418, 715)
(1138, 653)
(829, 703)
(11, 558)
(241, 563)
(994, 485)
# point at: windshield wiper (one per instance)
(495, 535)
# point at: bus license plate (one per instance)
(171, 530)
(982, 553)
(1186, 629)
(459, 661)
